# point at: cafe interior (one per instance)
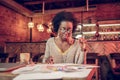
(25, 27)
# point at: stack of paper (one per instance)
(52, 71)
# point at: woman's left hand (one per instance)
(70, 40)
(83, 43)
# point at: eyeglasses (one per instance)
(63, 30)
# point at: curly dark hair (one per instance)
(63, 16)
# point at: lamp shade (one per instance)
(40, 27)
(49, 30)
(30, 24)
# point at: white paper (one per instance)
(54, 75)
(41, 72)
(32, 69)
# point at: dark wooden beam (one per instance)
(46, 1)
(17, 7)
(78, 9)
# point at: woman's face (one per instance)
(65, 30)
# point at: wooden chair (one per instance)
(4, 57)
(25, 57)
(38, 57)
(13, 58)
(115, 59)
(92, 58)
(106, 70)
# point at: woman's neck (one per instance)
(60, 40)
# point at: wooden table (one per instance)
(7, 76)
(10, 76)
(89, 77)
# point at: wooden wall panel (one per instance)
(100, 47)
(17, 48)
(104, 47)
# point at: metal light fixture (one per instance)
(30, 25)
(49, 30)
(40, 27)
(79, 29)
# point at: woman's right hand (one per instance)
(50, 60)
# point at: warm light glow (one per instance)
(30, 24)
(50, 23)
(40, 27)
(91, 32)
(79, 27)
(89, 24)
(86, 25)
(78, 36)
(109, 25)
(49, 30)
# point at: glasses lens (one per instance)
(65, 30)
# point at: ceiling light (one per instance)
(109, 25)
(31, 24)
(40, 27)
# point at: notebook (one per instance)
(10, 66)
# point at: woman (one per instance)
(63, 48)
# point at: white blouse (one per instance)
(72, 55)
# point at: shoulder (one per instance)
(77, 43)
(50, 40)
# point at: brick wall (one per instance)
(13, 26)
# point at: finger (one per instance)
(51, 61)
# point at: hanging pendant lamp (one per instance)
(40, 27)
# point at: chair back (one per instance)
(13, 58)
(91, 58)
(106, 71)
(24, 58)
(116, 57)
(38, 57)
(3, 57)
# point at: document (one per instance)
(51, 71)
